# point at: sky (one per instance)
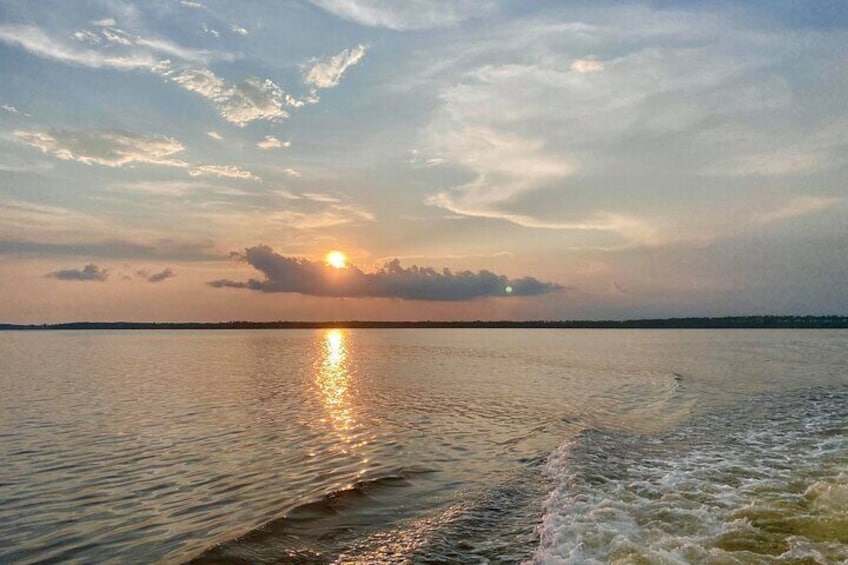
(182, 160)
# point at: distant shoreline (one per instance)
(730, 322)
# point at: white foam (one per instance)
(720, 489)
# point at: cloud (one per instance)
(86, 36)
(772, 164)
(215, 135)
(333, 215)
(90, 272)
(223, 171)
(114, 249)
(587, 66)
(799, 206)
(122, 50)
(539, 133)
(327, 73)
(119, 148)
(34, 40)
(239, 30)
(412, 14)
(318, 197)
(271, 142)
(105, 147)
(161, 276)
(292, 274)
(9, 108)
(250, 100)
(177, 188)
(207, 29)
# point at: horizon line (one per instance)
(765, 321)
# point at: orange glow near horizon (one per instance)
(336, 259)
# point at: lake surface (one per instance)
(424, 446)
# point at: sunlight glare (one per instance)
(336, 259)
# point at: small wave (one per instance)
(493, 524)
(760, 483)
(307, 533)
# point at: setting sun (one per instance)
(336, 259)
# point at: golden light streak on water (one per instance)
(333, 380)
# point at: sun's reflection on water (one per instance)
(336, 385)
(333, 381)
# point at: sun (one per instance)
(336, 259)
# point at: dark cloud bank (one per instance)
(291, 274)
(90, 272)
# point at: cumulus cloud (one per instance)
(90, 272)
(9, 108)
(250, 100)
(239, 30)
(292, 274)
(215, 135)
(105, 147)
(271, 142)
(412, 14)
(328, 72)
(161, 276)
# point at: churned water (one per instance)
(424, 446)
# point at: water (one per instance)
(424, 446)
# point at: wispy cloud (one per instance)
(111, 47)
(412, 14)
(90, 272)
(544, 120)
(103, 147)
(223, 171)
(114, 249)
(328, 72)
(34, 40)
(292, 274)
(119, 148)
(331, 216)
(799, 206)
(771, 164)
